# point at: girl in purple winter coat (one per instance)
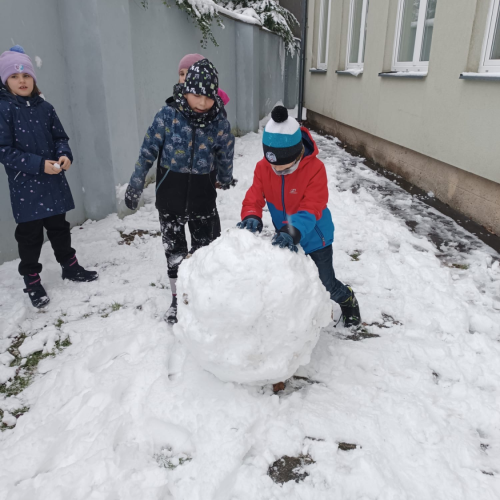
(35, 152)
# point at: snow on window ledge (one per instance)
(350, 72)
(480, 76)
(316, 70)
(404, 74)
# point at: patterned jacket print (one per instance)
(191, 160)
(30, 133)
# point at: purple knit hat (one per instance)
(15, 61)
(189, 59)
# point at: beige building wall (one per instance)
(453, 121)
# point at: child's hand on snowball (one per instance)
(64, 162)
(284, 240)
(51, 168)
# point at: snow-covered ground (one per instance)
(125, 413)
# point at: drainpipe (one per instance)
(302, 60)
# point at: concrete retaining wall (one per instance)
(107, 67)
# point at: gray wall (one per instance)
(108, 67)
(450, 120)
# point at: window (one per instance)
(357, 34)
(414, 30)
(490, 60)
(324, 29)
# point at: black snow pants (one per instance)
(29, 236)
(204, 230)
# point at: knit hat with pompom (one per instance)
(282, 139)
(15, 61)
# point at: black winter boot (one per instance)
(171, 314)
(350, 310)
(73, 271)
(35, 290)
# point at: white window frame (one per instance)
(490, 65)
(362, 32)
(416, 64)
(323, 65)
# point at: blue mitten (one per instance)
(252, 223)
(132, 197)
(284, 240)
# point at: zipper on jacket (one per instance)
(320, 234)
(163, 178)
(193, 138)
(285, 221)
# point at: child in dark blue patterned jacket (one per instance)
(35, 152)
(197, 147)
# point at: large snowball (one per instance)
(249, 312)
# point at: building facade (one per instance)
(413, 85)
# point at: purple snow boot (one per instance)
(73, 271)
(35, 290)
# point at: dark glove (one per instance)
(229, 184)
(132, 197)
(252, 223)
(284, 240)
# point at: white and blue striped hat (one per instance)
(282, 139)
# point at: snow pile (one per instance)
(249, 312)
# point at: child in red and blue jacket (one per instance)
(293, 182)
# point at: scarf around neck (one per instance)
(195, 119)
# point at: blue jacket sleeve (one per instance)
(61, 140)
(153, 141)
(13, 158)
(224, 153)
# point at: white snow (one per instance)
(38, 61)
(113, 414)
(201, 7)
(236, 309)
(56, 165)
(9, 419)
(6, 372)
(354, 71)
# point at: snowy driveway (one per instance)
(123, 413)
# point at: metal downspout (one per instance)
(302, 59)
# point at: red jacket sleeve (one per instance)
(254, 199)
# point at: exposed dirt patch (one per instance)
(387, 322)
(127, 239)
(347, 446)
(289, 469)
(361, 333)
